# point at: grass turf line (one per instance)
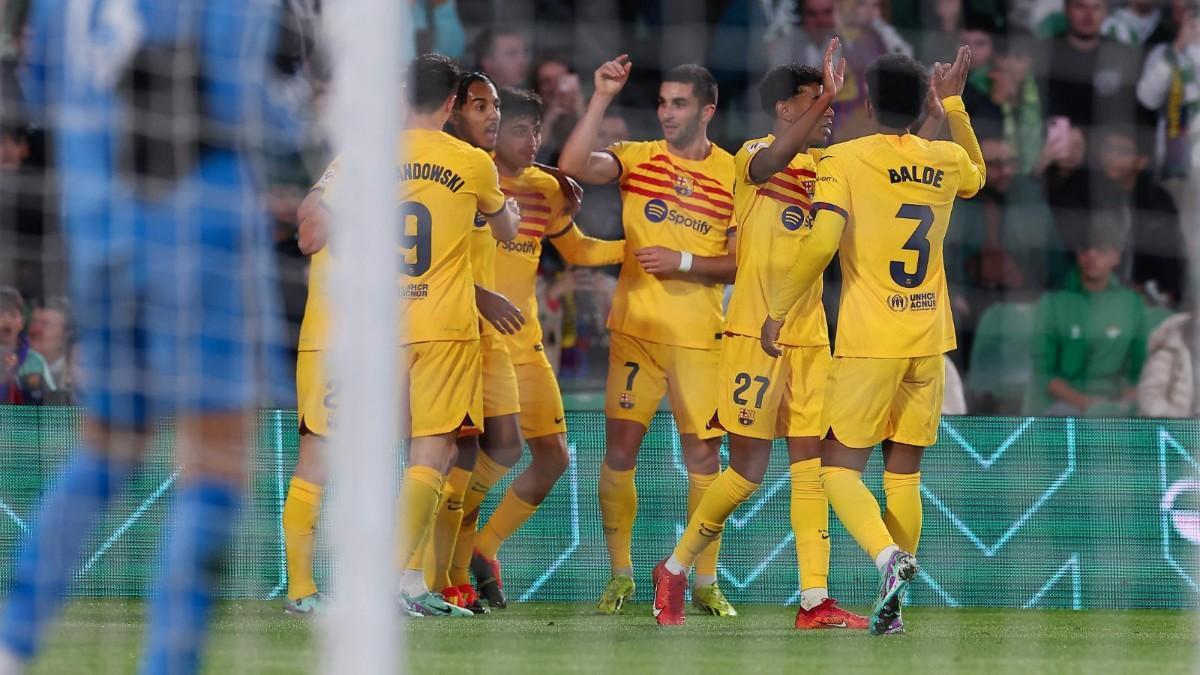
(101, 636)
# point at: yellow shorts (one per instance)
(767, 398)
(873, 400)
(316, 396)
(445, 386)
(640, 372)
(541, 401)
(500, 394)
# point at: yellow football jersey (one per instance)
(896, 194)
(686, 205)
(765, 214)
(542, 205)
(442, 183)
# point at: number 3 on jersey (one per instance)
(416, 235)
(919, 242)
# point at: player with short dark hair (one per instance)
(677, 206)
(443, 183)
(546, 215)
(761, 398)
(883, 202)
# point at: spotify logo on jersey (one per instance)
(793, 217)
(656, 210)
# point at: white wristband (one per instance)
(685, 261)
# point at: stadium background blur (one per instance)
(1083, 110)
(1109, 177)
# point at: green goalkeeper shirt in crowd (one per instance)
(1095, 341)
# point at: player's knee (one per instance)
(550, 455)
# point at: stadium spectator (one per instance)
(50, 334)
(938, 36)
(1135, 23)
(1006, 94)
(1152, 261)
(503, 53)
(1090, 337)
(819, 21)
(1168, 86)
(24, 376)
(1167, 386)
(438, 28)
(1005, 245)
(1091, 79)
(558, 85)
(23, 214)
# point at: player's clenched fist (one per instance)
(611, 76)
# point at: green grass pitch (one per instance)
(256, 637)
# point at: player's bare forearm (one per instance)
(313, 232)
(505, 222)
(719, 269)
(577, 158)
(776, 156)
(932, 128)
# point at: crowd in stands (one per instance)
(1069, 274)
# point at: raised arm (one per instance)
(577, 157)
(776, 156)
(950, 83)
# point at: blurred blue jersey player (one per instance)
(159, 109)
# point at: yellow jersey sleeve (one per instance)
(971, 167)
(486, 185)
(683, 205)
(579, 249)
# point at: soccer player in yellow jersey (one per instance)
(762, 398)
(545, 215)
(442, 184)
(666, 323)
(475, 120)
(884, 201)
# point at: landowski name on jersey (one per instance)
(432, 172)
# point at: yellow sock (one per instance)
(903, 511)
(487, 473)
(856, 508)
(460, 562)
(509, 516)
(300, 513)
(440, 547)
(726, 493)
(810, 523)
(698, 484)
(618, 510)
(418, 502)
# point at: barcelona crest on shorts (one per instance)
(626, 400)
(746, 417)
(684, 186)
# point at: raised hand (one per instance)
(833, 76)
(611, 76)
(933, 102)
(953, 80)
